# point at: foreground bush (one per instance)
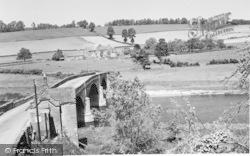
(134, 121)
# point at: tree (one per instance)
(82, 24)
(24, 54)
(131, 34)
(192, 44)
(33, 25)
(125, 35)
(58, 55)
(110, 32)
(140, 56)
(184, 20)
(73, 24)
(3, 26)
(20, 26)
(11, 26)
(91, 26)
(150, 45)
(161, 49)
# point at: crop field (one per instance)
(76, 32)
(69, 43)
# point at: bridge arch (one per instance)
(94, 96)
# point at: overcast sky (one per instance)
(101, 11)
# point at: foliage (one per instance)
(140, 56)
(243, 69)
(125, 34)
(216, 137)
(12, 26)
(147, 21)
(110, 32)
(225, 61)
(24, 54)
(134, 125)
(131, 34)
(91, 26)
(150, 44)
(45, 26)
(82, 24)
(178, 64)
(58, 55)
(161, 49)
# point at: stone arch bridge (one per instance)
(63, 109)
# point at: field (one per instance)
(69, 43)
(203, 77)
(76, 32)
(23, 84)
(53, 39)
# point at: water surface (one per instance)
(208, 107)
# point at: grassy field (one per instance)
(23, 84)
(74, 32)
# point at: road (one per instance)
(75, 83)
(13, 122)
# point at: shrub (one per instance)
(17, 71)
(134, 125)
(225, 61)
(36, 71)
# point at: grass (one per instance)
(74, 32)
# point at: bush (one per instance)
(179, 64)
(134, 123)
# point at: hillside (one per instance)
(74, 32)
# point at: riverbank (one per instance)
(167, 93)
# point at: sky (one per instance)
(102, 11)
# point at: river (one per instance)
(208, 107)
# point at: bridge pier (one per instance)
(89, 118)
(102, 100)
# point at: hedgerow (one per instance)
(22, 71)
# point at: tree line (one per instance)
(19, 26)
(147, 21)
